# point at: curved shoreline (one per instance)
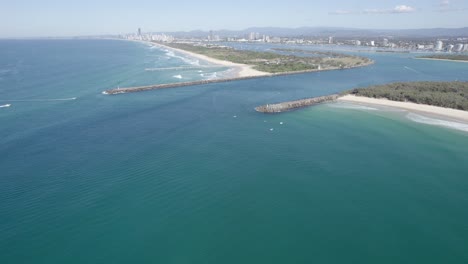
(241, 72)
(455, 114)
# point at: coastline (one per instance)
(240, 70)
(441, 60)
(458, 115)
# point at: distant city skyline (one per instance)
(27, 18)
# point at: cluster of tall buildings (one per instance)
(440, 46)
(255, 37)
(148, 37)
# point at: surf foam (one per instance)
(437, 122)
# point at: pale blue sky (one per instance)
(30, 18)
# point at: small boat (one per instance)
(5, 105)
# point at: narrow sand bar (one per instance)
(459, 115)
(434, 59)
(241, 70)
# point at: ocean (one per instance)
(195, 175)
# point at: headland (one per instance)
(249, 64)
(444, 99)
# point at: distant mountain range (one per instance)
(332, 31)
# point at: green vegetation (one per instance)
(320, 53)
(445, 94)
(272, 62)
(446, 57)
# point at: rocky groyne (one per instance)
(287, 106)
(174, 85)
(200, 82)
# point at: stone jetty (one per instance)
(200, 82)
(287, 106)
(174, 85)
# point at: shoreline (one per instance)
(456, 115)
(240, 70)
(464, 61)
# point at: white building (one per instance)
(450, 48)
(439, 45)
(465, 47)
(458, 47)
(385, 42)
(330, 40)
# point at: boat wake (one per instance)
(437, 122)
(411, 69)
(40, 100)
(177, 76)
(5, 105)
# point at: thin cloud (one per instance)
(399, 9)
(444, 3)
(446, 6)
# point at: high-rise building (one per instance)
(330, 40)
(372, 43)
(385, 42)
(358, 43)
(211, 36)
(459, 47)
(139, 31)
(439, 45)
(450, 48)
(465, 47)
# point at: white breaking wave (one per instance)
(177, 76)
(5, 105)
(185, 59)
(39, 100)
(437, 122)
(209, 76)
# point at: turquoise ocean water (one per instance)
(195, 175)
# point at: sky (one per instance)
(34, 18)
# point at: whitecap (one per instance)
(210, 76)
(437, 122)
(177, 76)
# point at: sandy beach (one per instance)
(458, 115)
(442, 60)
(240, 70)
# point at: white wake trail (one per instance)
(39, 100)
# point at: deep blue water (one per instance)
(195, 175)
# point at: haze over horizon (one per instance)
(27, 18)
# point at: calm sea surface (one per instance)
(195, 175)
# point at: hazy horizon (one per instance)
(26, 18)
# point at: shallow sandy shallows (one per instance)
(241, 70)
(434, 110)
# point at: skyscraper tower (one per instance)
(139, 31)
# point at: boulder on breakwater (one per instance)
(287, 106)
